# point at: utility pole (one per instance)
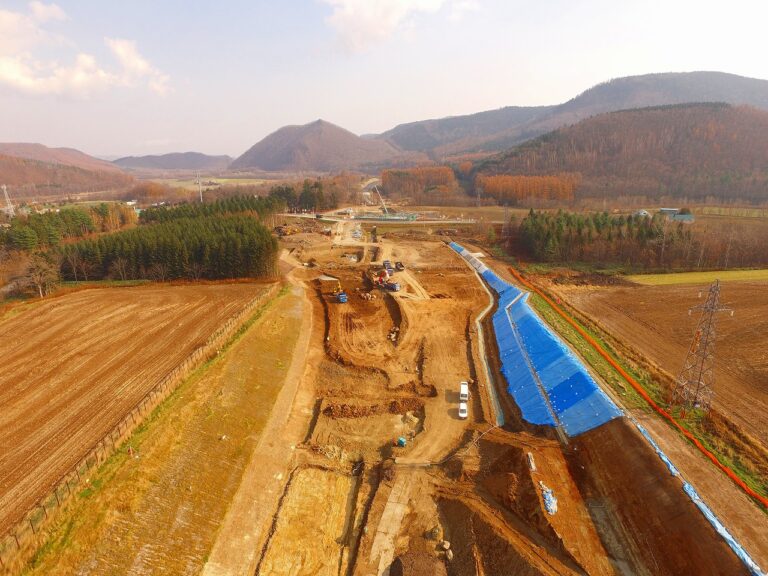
(199, 187)
(694, 385)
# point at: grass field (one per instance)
(487, 213)
(192, 182)
(699, 277)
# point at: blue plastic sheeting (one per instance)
(576, 399)
(535, 362)
(671, 467)
(515, 368)
(550, 501)
(743, 555)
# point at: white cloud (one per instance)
(136, 67)
(42, 12)
(22, 33)
(362, 23)
(460, 7)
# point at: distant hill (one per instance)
(64, 156)
(27, 178)
(685, 151)
(317, 147)
(427, 135)
(500, 129)
(175, 161)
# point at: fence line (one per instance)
(20, 542)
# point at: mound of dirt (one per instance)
(509, 480)
(397, 406)
(417, 564)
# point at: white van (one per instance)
(463, 391)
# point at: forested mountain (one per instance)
(687, 150)
(63, 156)
(427, 135)
(500, 129)
(175, 161)
(316, 147)
(27, 178)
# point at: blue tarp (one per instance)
(535, 362)
(743, 555)
(573, 398)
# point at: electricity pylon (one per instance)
(9, 207)
(693, 388)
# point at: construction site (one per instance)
(419, 418)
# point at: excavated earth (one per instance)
(330, 489)
(389, 368)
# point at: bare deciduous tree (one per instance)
(42, 273)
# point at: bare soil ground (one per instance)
(655, 321)
(75, 365)
(160, 510)
(326, 491)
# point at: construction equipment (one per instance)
(341, 297)
(285, 230)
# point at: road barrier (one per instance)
(20, 542)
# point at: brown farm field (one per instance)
(75, 365)
(654, 320)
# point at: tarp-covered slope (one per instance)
(549, 383)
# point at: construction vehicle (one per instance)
(330, 283)
(286, 230)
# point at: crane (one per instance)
(383, 204)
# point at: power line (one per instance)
(694, 386)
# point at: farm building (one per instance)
(676, 215)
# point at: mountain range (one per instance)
(321, 146)
(681, 150)
(496, 130)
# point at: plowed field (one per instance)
(655, 321)
(74, 366)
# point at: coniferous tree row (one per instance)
(261, 205)
(639, 242)
(214, 247)
(47, 230)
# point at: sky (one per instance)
(137, 77)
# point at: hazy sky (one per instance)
(151, 76)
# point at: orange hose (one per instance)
(640, 390)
